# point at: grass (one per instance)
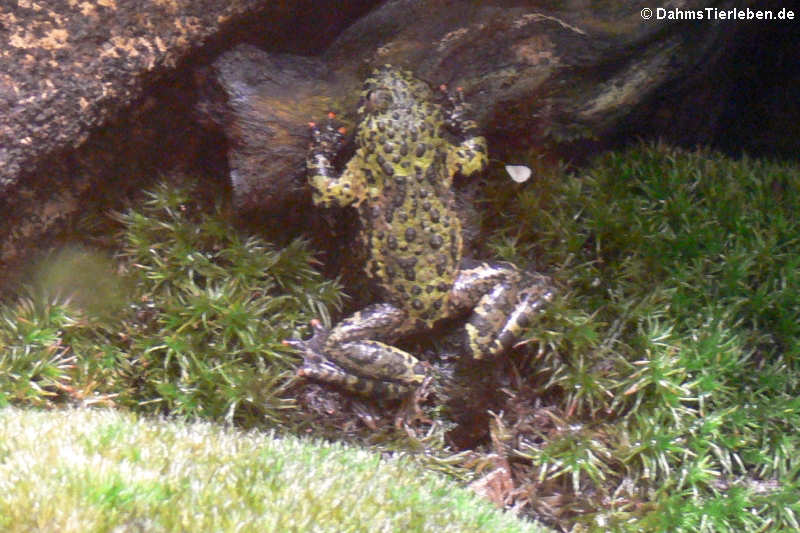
(659, 392)
(78, 470)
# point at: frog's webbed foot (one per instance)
(411, 411)
(327, 139)
(315, 364)
(458, 113)
(328, 187)
(534, 293)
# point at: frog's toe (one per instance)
(532, 301)
(539, 292)
(315, 365)
(327, 136)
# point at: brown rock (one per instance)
(65, 67)
(539, 76)
(97, 95)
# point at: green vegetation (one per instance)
(659, 392)
(190, 321)
(672, 359)
(102, 470)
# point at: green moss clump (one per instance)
(187, 320)
(91, 470)
(671, 363)
(659, 392)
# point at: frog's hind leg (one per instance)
(356, 355)
(503, 301)
(500, 317)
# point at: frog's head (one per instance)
(390, 90)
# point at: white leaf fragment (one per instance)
(518, 173)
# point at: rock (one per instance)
(537, 76)
(560, 78)
(97, 95)
(65, 67)
(263, 102)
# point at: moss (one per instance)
(672, 356)
(187, 319)
(103, 470)
(658, 392)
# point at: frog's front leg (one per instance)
(471, 155)
(356, 355)
(328, 188)
(503, 301)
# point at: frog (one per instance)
(410, 144)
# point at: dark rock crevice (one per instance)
(744, 99)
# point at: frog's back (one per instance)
(410, 228)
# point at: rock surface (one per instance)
(65, 67)
(539, 75)
(96, 95)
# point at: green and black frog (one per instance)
(409, 146)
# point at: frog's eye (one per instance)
(378, 100)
